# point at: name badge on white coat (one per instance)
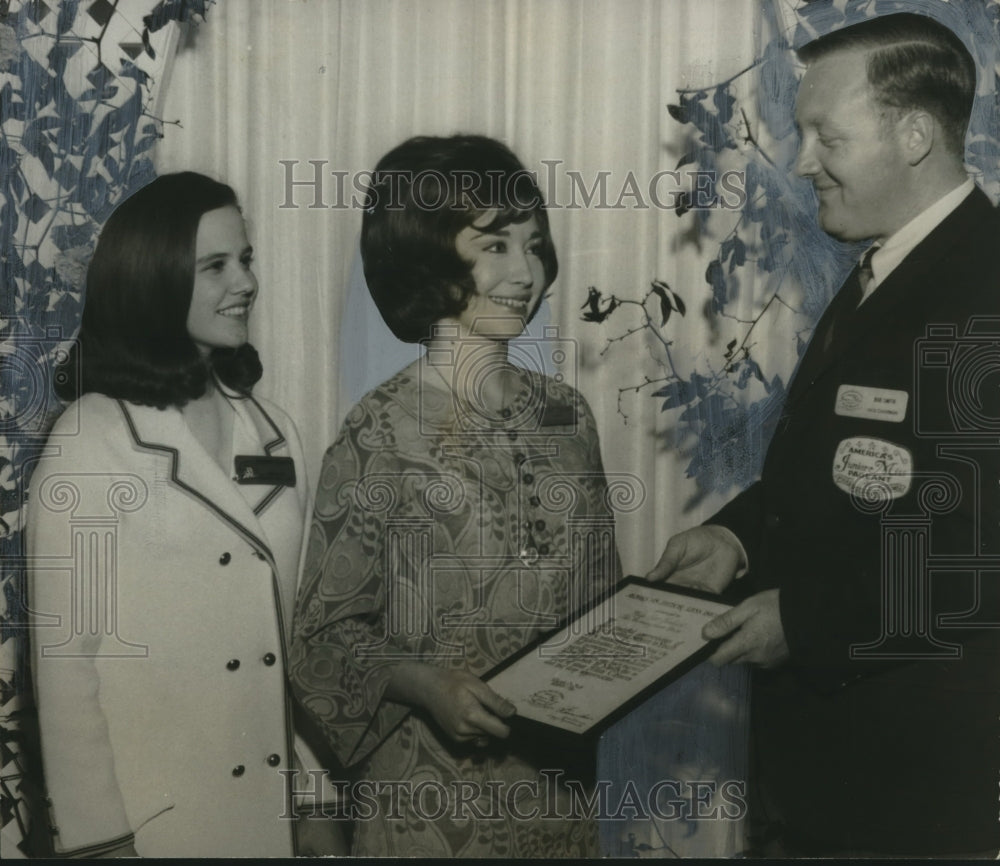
(879, 404)
(872, 469)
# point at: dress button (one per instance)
(273, 760)
(232, 664)
(539, 525)
(772, 521)
(270, 659)
(529, 478)
(534, 502)
(224, 559)
(239, 770)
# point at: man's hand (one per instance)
(463, 705)
(705, 558)
(757, 635)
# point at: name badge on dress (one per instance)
(878, 404)
(557, 416)
(258, 469)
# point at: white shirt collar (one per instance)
(901, 244)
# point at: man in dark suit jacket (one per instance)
(870, 544)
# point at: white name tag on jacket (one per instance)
(872, 469)
(878, 404)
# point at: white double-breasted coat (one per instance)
(161, 592)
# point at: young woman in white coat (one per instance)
(165, 526)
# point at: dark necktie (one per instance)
(853, 292)
(865, 275)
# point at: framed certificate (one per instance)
(603, 662)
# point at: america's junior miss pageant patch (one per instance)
(872, 468)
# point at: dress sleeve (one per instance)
(341, 658)
(86, 805)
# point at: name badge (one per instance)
(878, 404)
(257, 469)
(557, 416)
(872, 469)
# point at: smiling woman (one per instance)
(224, 286)
(175, 505)
(461, 511)
(162, 254)
(509, 274)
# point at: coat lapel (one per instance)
(818, 356)
(253, 431)
(919, 273)
(192, 470)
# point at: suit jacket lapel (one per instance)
(818, 356)
(192, 469)
(257, 427)
(916, 275)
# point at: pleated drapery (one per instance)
(273, 92)
(292, 101)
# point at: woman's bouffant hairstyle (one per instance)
(422, 194)
(133, 343)
(913, 62)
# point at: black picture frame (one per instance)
(533, 730)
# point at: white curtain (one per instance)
(571, 85)
(272, 90)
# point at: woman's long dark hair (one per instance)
(133, 342)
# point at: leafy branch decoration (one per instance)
(723, 412)
(78, 79)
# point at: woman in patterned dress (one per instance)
(461, 512)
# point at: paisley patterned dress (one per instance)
(446, 536)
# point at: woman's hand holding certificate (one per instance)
(462, 704)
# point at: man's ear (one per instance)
(917, 132)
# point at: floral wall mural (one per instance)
(79, 82)
(723, 409)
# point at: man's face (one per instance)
(851, 153)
